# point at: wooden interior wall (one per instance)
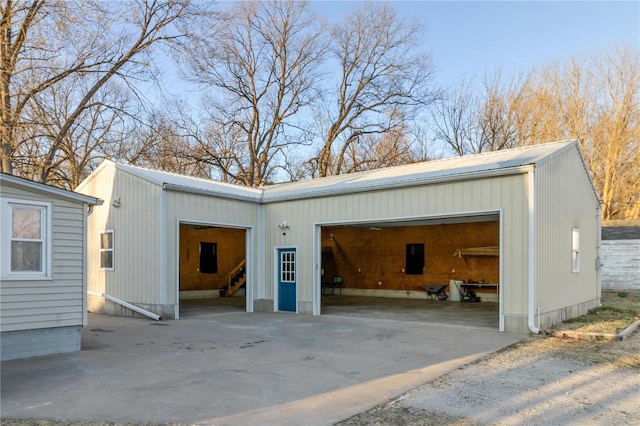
(231, 251)
(375, 259)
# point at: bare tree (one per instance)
(472, 121)
(159, 143)
(101, 125)
(380, 150)
(260, 62)
(383, 69)
(498, 114)
(44, 45)
(595, 99)
(616, 134)
(454, 118)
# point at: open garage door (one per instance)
(212, 269)
(385, 269)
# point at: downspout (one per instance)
(126, 305)
(598, 253)
(260, 253)
(85, 258)
(532, 253)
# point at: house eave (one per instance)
(50, 190)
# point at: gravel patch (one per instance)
(539, 381)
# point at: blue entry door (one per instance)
(287, 279)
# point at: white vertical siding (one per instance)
(492, 194)
(57, 302)
(565, 199)
(136, 226)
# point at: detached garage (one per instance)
(519, 227)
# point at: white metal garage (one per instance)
(542, 197)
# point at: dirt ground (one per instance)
(540, 380)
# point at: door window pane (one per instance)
(287, 267)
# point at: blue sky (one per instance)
(471, 38)
(474, 37)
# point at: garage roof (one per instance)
(181, 183)
(448, 169)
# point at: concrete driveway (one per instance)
(238, 368)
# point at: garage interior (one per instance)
(383, 269)
(212, 264)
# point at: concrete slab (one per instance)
(238, 368)
(430, 311)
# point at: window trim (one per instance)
(575, 249)
(112, 249)
(46, 223)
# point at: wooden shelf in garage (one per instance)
(477, 251)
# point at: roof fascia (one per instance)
(257, 198)
(52, 190)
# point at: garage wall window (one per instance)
(29, 239)
(208, 258)
(106, 250)
(575, 250)
(414, 264)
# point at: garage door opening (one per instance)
(384, 269)
(212, 269)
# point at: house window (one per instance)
(208, 258)
(28, 243)
(415, 259)
(106, 250)
(575, 250)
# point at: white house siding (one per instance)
(507, 193)
(565, 199)
(620, 265)
(44, 316)
(137, 241)
(207, 210)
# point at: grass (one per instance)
(618, 311)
